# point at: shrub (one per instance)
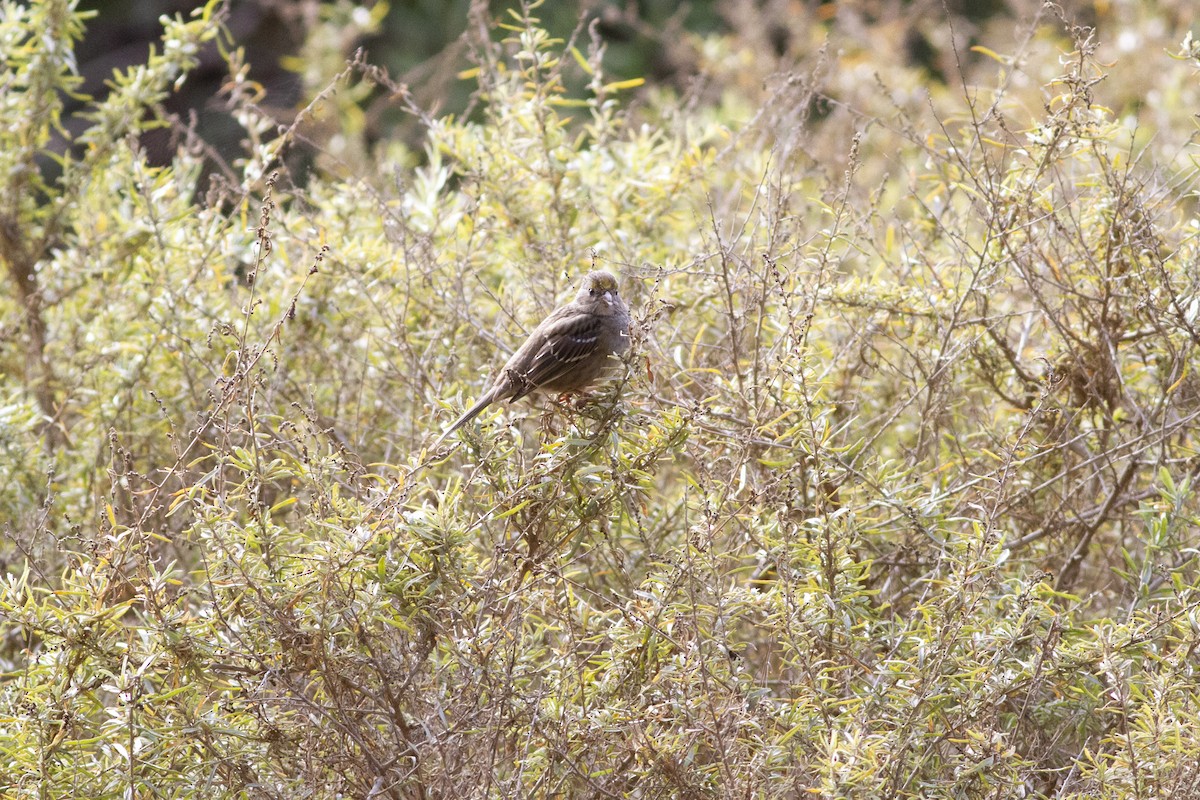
(893, 496)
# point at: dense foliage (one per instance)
(893, 497)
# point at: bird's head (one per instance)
(599, 287)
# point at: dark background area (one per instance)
(420, 44)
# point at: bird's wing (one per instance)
(565, 342)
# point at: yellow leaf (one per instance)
(617, 86)
(581, 61)
(1183, 375)
(283, 504)
(514, 509)
(992, 54)
(293, 63)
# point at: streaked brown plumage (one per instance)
(569, 351)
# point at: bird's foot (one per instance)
(574, 400)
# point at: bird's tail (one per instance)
(468, 415)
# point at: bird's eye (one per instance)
(592, 292)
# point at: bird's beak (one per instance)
(608, 298)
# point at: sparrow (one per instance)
(567, 352)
